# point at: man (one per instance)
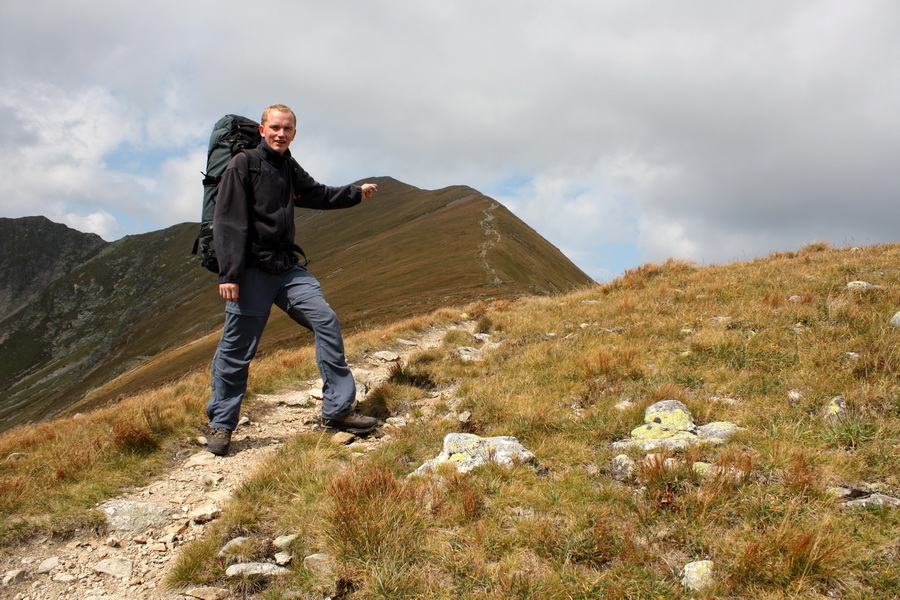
(254, 242)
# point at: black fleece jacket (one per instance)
(257, 211)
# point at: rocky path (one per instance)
(492, 238)
(148, 525)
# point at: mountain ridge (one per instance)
(404, 252)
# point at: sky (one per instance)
(624, 132)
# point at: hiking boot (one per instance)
(352, 423)
(218, 441)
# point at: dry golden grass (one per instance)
(765, 344)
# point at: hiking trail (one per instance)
(133, 565)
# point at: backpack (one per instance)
(231, 134)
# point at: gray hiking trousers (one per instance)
(298, 294)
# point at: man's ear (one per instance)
(262, 130)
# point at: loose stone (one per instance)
(255, 569)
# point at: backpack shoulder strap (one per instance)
(254, 162)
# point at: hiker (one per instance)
(258, 267)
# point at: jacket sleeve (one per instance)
(309, 193)
(231, 220)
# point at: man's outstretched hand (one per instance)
(368, 190)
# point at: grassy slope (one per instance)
(564, 527)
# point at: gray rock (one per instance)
(861, 286)
(209, 593)
(283, 542)
(873, 501)
(466, 452)
(205, 513)
(387, 356)
(124, 515)
(468, 353)
(296, 400)
(115, 566)
(255, 569)
(320, 564)
(201, 459)
(895, 320)
(47, 565)
(622, 467)
(15, 576)
(698, 575)
(232, 546)
(717, 432)
(283, 558)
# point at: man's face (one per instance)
(278, 130)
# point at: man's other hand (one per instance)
(229, 291)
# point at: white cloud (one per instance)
(102, 223)
(703, 130)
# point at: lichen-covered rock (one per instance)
(656, 437)
(669, 425)
(895, 320)
(836, 409)
(467, 451)
(698, 575)
(669, 414)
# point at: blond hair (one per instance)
(278, 108)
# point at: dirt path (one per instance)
(132, 564)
